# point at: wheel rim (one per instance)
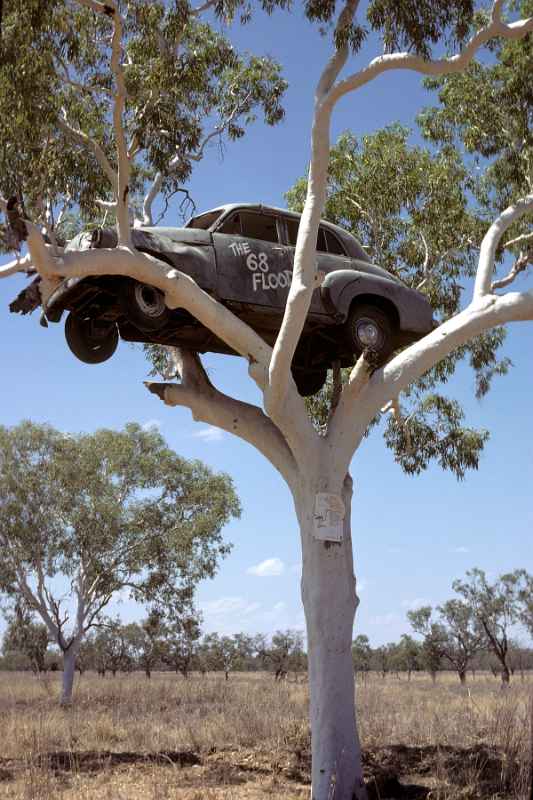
(149, 301)
(96, 336)
(368, 333)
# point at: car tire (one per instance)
(368, 327)
(309, 382)
(143, 305)
(92, 341)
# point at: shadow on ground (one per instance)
(396, 772)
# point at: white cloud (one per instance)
(385, 619)
(152, 423)
(225, 606)
(268, 568)
(418, 602)
(460, 550)
(209, 434)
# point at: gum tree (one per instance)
(496, 607)
(85, 517)
(314, 463)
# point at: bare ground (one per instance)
(247, 739)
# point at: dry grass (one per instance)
(247, 739)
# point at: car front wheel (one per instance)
(368, 327)
(92, 341)
(143, 305)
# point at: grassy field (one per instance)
(128, 738)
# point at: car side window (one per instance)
(334, 246)
(231, 225)
(321, 245)
(292, 232)
(253, 226)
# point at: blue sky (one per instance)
(412, 536)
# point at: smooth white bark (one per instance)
(69, 669)
(330, 601)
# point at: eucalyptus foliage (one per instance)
(184, 82)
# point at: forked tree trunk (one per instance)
(330, 602)
(69, 669)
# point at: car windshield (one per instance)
(204, 221)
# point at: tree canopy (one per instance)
(421, 212)
(105, 512)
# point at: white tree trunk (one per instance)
(330, 602)
(69, 667)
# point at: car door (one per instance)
(250, 259)
(329, 251)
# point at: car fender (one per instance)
(341, 287)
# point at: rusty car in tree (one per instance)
(242, 254)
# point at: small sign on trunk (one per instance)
(329, 517)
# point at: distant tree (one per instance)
(25, 636)
(434, 639)
(180, 642)
(286, 653)
(220, 653)
(107, 511)
(144, 642)
(464, 638)
(362, 654)
(496, 608)
(382, 656)
(409, 653)
(109, 647)
(455, 635)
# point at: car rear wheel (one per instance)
(92, 341)
(309, 382)
(368, 327)
(143, 305)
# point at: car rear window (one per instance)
(334, 246)
(327, 242)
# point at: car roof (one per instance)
(354, 247)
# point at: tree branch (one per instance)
(123, 172)
(442, 66)
(491, 241)
(304, 279)
(18, 265)
(519, 266)
(523, 238)
(210, 405)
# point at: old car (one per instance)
(242, 255)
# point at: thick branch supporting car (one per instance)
(243, 255)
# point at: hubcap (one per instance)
(149, 300)
(368, 333)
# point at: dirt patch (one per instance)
(397, 772)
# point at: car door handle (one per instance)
(279, 249)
